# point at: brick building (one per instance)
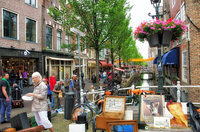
(20, 36)
(56, 60)
(187, 70)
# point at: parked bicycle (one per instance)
(88, 108)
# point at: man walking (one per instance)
(66, 83)
(5, 98)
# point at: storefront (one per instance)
(59, 66)
(91, 68)
(16, 60)
(83, 65)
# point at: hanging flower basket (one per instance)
(163, 39)
(160, 32)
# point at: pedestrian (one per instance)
(12, 77)
(39, 103)
(49, 92)
(20, 79)
(104, 75)
(72, 82)
(82, 75)
(57, 89)
(5, 98)
(52, 82)
(66, 83)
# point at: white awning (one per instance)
(64, 59)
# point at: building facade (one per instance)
(57, 60)
(20, 36)
(187, 70)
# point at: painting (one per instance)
(151, 106)
(177, 112)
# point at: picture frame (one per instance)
(131, 125)
(151, 106)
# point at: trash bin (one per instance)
(69, 104)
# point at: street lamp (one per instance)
(79, 33)
(156, 4)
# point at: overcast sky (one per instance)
(139, 13)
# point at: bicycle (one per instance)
(88, 108)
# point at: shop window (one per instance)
(9, 24)
(30, 30)
(48, 37)
(184, 66)
(31, 2)
(59, 40)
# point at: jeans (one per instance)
(21, 84)
(5, 109)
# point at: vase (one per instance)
(166, 38)
(153, 40)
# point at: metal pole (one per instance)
(160, 72)
(160, 76)
(79, 57)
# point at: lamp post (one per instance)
(79, 33)
(156, 5)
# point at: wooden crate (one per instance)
(113, 109)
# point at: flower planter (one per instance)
(166, 38)
(154, 40)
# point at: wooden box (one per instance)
(113, 109)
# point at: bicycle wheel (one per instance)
(81, 110)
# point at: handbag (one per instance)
(60, 95)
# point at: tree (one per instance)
(97, 18)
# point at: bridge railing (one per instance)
(178, 86)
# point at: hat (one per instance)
(109, 73)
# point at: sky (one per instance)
(139, 13)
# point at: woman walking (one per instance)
(39, 103)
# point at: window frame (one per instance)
(17, 24)
(182, 12)
(67, 41)
(59, 48)
(184, 66)
(30, 3)
(35, 30)
(48, 26)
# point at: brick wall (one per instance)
(22, 10)
(192, 10)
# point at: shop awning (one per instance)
(155, 60)
(105, 64)
(109, 64)
(55, 58)
(119, 69)
(171, 57)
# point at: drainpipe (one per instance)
(188, 49)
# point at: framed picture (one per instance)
(122, 126)
(151, 106)
(177, 112)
